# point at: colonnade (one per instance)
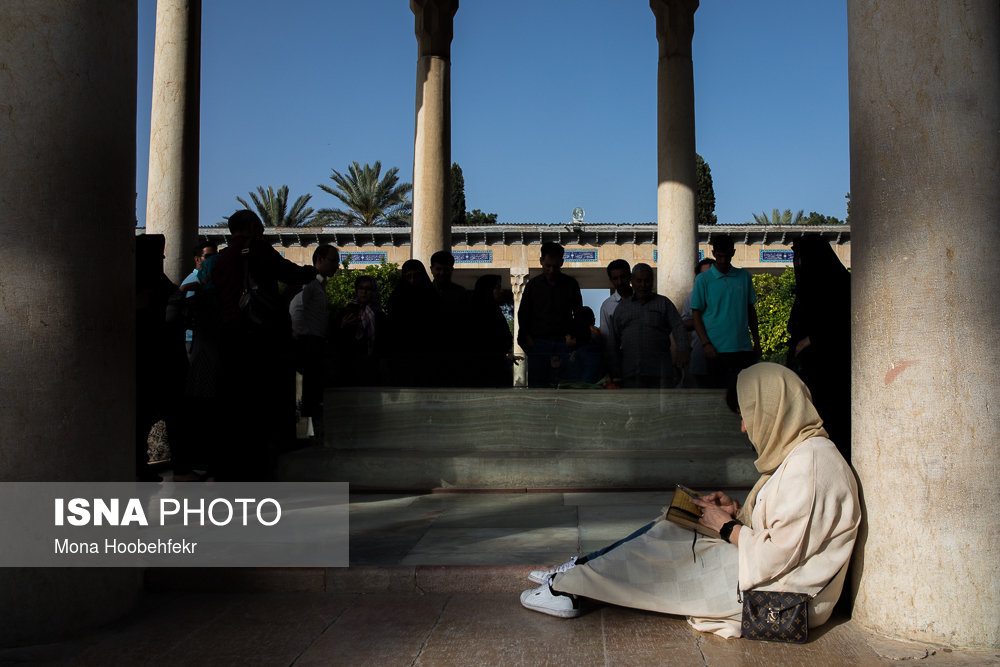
(924, 101)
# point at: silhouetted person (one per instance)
(200, 447)
(699, 366)
(819, 330)
(586, 351)
(725, 317)
(620, 277)
(361, 332)
(548, 306)
(454, 327)
(256, 357)
(310, 320)
(490, 339)
(190, 284)
(160, 357)
(643, 324)
(414, 324)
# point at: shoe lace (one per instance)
(568, 565)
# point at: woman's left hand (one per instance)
(712, 516)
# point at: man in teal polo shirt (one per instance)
(725, 318)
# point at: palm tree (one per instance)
(779, 218)
(370, 200)
(272, 207)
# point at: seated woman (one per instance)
(795, 534)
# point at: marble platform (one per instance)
(419, 439)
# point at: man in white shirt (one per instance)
(309, 324)
(620, 275)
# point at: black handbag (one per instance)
(776, 616)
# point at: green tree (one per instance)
(779, 218)
(775, 295)
(340, 286)
(272, 207)
(370, 198)
(815, 218)
(477, 217)
(847, 220)
(704, 203)
(457, 195)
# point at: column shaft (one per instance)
(67, 182)
(432, 133)
(675, 149)
(432, 160)
(925, 207)
(172, 190)
(518, 280)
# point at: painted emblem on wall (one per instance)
(365, 257)
(580, 256)
(473, 256)
(777, 256)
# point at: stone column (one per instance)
(676, 228)
(67, 183)
(518, 279)
(432, 136)
(172, 191)
(925, 209)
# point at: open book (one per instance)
(685, 513)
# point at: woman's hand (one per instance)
(722, 500)
(712, 516)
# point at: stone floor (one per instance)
(434, 581)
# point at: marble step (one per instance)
(408, 470)
(521, 419)
(419, 439)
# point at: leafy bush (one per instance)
(775, 295)
(340, 286)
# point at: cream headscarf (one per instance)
(777, 409)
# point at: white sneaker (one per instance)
(554, 604)
(542, 576)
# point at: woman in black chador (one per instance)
(415, 323)
(491, 340)
(819, 328)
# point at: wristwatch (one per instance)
(727, 529)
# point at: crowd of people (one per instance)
(228, 341)
(245, 338)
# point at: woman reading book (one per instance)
(795, 533)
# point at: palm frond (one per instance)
(370, 197)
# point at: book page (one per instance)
(682, 501)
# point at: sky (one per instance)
(553, 103)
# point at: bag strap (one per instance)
(248, 282)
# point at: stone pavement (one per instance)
(434, 580)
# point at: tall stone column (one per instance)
(432, 136)
(676, 227)
(925, 209)
(518, 279)
(172, 191)
(67, 183)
